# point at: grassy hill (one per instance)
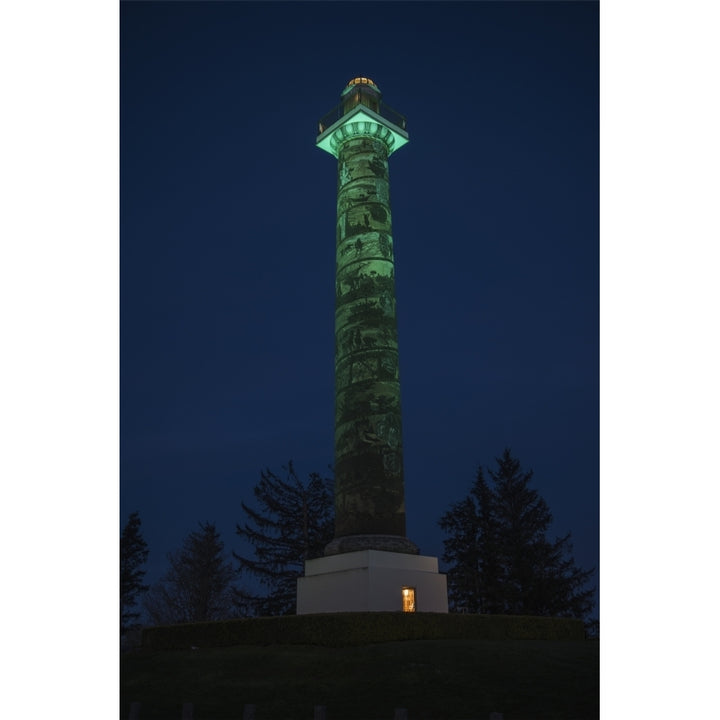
(434, 679)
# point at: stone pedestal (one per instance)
(371, 581)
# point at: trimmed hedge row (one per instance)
(345, 629)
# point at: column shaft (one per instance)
(369, 494)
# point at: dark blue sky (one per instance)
(227, 233)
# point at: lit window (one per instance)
(361, 81)
(408, 599)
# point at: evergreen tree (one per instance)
(500, 558)
(462, 550)
(133, 555)
(292, 523)
(197, 587)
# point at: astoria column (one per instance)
(369, 483)
(370, 565)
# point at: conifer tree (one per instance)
(462, 549)
(501, 560)
(198, 584)
(292, 523)
(133, 555)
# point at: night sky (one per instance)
(227, 251)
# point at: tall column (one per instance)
(369, 483)
(368, 427)
(370, 565)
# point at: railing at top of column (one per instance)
(379, 107)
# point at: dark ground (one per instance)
(432, 679)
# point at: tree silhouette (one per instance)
(197, 586)
(293, 523)
(500, 558)
(133, 555)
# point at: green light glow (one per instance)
(369, 476)
(361, 121)
(369, 485)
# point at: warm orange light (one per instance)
(361, 81)
(408, 601)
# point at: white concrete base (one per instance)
(370, 581)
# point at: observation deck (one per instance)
(361, 112)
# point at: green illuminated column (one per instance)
(369, 485)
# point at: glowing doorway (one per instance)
(408, 599)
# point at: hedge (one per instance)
(346, 629)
